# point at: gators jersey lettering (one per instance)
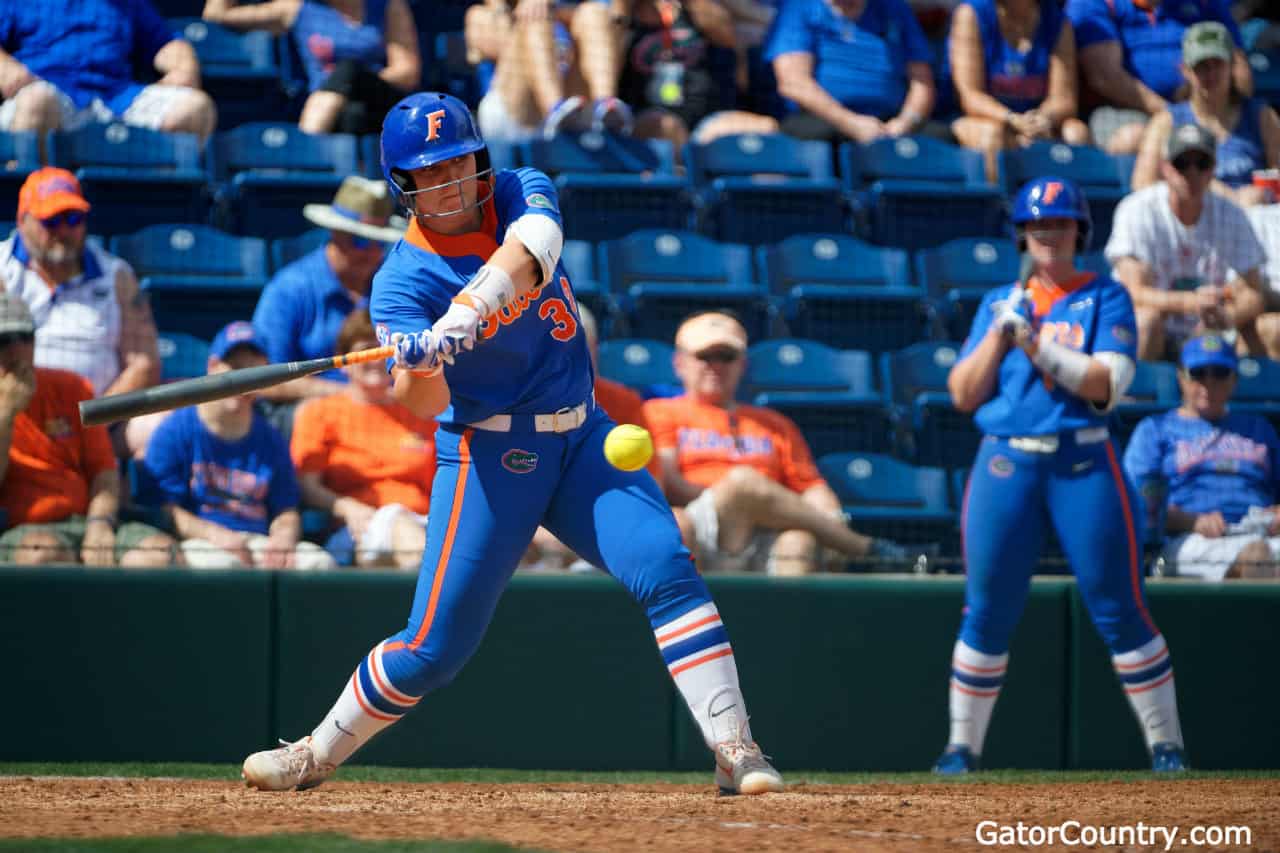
(531, 357)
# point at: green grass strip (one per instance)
(487, 776)
(254, 844)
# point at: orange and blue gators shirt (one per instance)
(1089, 313)
(532, 357)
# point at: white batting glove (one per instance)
(418, 352)
(457, 330)
(1016, 318)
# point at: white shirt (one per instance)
(78, 322)
(1266, 226)
(1219, 247)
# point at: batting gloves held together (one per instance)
(457, 330)
(1016, 317)
(419, 352)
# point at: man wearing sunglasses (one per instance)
(90, 317)
(1188, 256)
(749, 495)
(1221, 468)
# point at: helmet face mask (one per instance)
(409, 192)
(422, 130)
(1051, 198)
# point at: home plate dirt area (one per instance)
(649, 817)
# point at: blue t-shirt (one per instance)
(1093, 316)
(861, 63)
(241, 485)
(301, 310)
(1226, 466)
(1243, 151)
(532, 355)
(1152, 40)
(1016, 79)
(324, 37)
(87, 48)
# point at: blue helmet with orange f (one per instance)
(1052, 198)
(422, 130)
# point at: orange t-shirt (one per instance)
(626, 407)
(375, 454)
(709, 441)
(52, 458)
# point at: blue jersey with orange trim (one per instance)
(1090, 314)
(532, 357)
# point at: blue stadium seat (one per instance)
(637, 363)
(958, 274)
(1095, 262)
(449, 64)
(671, 255)
(919, 192)
(933, 432)
(610, 186)
(578, 258)
(1104, 178)
(269, 171)
(238, 70)
(19, 157)
(655, 309)
(286, 250)
(755, 189)
(1266, 75)
(1258, 388)
(134, 176)
(831, 259)
(856, 317)
(883, 496)
(182, 356)
(830, 394)
(193, 251)
(1154, 390)
(199, 307)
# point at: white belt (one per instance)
(1050, 443)
(568, 418)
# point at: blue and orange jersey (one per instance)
(1089, 313)
(1226, 466)
(532, 355)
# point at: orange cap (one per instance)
(49, 191)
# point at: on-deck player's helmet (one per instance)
(1052, 198)
(426, 128)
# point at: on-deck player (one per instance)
(520, 443)
(1043, 366)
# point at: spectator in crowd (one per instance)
(1265, 219)
(1129, 52)
(851, 69)
(59, 483)
(1220, 470)
(368, 460)
(90, 316)
(224, 475)
(556, 65)
(1014, 67)
(1187, 255)
(669, 73)
(748, 492)
(67, 63)
(305, 304)
(360, 56)
(1246, 129)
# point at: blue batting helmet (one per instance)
(1052, 198)
(423, 129)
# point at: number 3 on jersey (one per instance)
(562, 313)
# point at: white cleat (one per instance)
(292, 767)
(741, 768)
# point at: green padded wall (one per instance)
(114, 665)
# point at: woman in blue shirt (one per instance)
(360, 56)
(1014, 67)
(1247, 130)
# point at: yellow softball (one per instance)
(628, 447)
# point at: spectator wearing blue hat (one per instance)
(225, 477)
(1220, 470)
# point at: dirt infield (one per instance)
(661, 818)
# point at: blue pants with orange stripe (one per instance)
(491, 492)
(1082, 491)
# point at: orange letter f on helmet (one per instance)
(434, 120)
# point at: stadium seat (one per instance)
(238, 70)
(1154, 390)
(931, 430)
(182, 356)
(919, 192)
(673, 256)
(958, 274)
(831, 259)
(755, 189)
(886, 497)
(19, 157)
(267, 172)
(854, 317)
(579, 260)
(199, 307)
(1104, 178)
(655, 309)
(1258, 388)
(286, 250)
(637, 363)
(1266, 75)
(133, 176)
(193, 251)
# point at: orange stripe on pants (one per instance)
(464, 468)
(1131, 535)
